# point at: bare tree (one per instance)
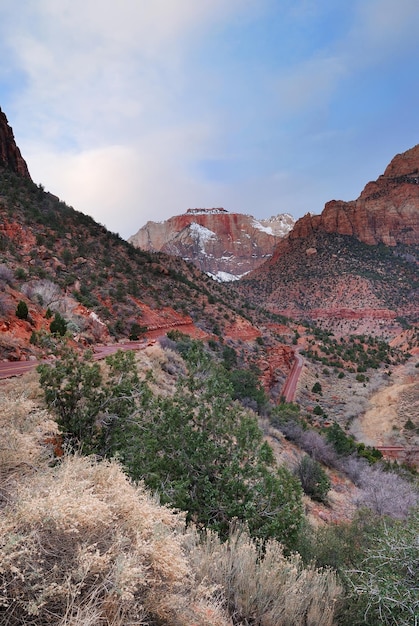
(386, 493)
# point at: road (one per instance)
(8, 369)
(288, 392)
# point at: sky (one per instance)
(137, 110)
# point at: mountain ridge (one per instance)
(222, 244)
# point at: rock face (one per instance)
(387, 211)
(10, 156)
(225, 245)
(331, 268)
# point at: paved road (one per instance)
(16, 368)
(290, 386)
(8, 369)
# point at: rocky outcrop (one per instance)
(10, 156)
(225, 245)
(387, 211)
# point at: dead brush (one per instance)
(82, 545)
(24, 427)
(261, 586)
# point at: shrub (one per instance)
(81, 545)
(313, 478)
(6, 274)
(336, 436)
(22, 310)
(259, 585)
(137, 331)
(58, 326)
(386, 493)
(385, 585)
(44, 291)
(20, 273)
(203, 452)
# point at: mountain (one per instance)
(387, 211)
(354, 268)
(10, 156)
(222, 244)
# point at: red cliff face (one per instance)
(10, 156)
(227, 245)
(387, 211)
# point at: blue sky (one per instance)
(137, 110)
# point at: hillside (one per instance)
(222, 244)
(354, 268)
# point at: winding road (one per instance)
(288, 392)
(8, 369)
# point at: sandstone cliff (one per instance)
(225, 245)
(387, 211)
(10, 156)
(354, 268)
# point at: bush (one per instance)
(136, 331)
(317, 388)
(259, 585)
(22, 310)
(6, 274)
(203, 452)
(385, 585)
(81, 545)
(336, 436)
(58, 325)
(386, 493)
(313, 478)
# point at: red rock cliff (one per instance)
(224, 244)
(10, 156)
(387, 211)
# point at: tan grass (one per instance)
(81, 544)
(262, 586)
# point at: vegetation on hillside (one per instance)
(382, 277)
(83, 541)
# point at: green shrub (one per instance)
(313, 478)
(22, 310)
(317, 388)
(58, 325)
(339, 439)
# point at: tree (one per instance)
(317, 388)
(22, 310)
(313, 478)
(199, 449)
(90, 408)
(204, 453)
(58, 325)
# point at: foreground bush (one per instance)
(261, 586)
(385, 586)
(200, 449)
(82, 546)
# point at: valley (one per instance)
(168, 430)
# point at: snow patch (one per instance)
(201, 234)
(265, 229)
(225, 277)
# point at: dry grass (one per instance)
(82, 545)
(262, 587)
(164, 364)
(24, 427)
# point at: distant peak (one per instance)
(206, 211)
(10, 156)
